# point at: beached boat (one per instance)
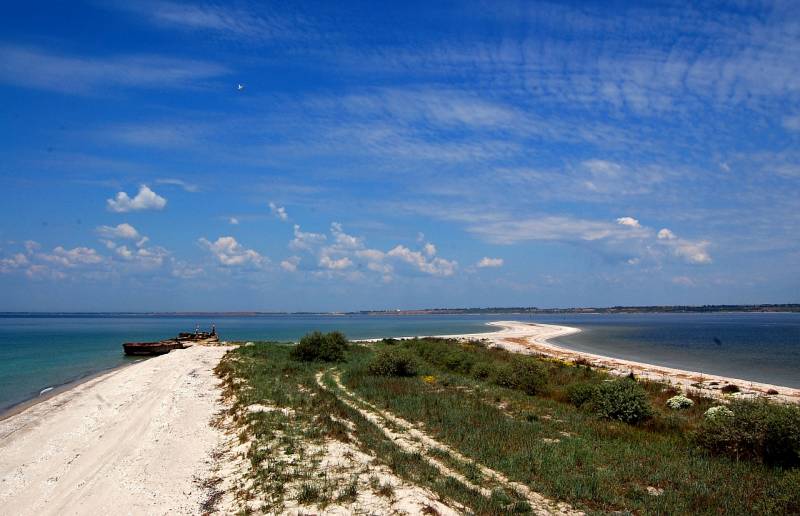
(151, 348)
(183, 340)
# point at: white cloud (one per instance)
(342, 239)
(435, 266)
(306, 241)
(372, 255)
(121, 231)
(628, 221)
(691, 251)
(184, 270)
(278, 211)
(72, 257)
(666, 234)
(325, 261)
(429, 249)
(233, 221)
(145, 199)
(683, 281)
(290, 264)
(231, 253)
(489, 262)
(13, 263)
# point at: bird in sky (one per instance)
(240, 87)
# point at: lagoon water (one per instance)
(41, 351)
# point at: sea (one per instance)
(42, 352)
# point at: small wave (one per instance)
(45, 390)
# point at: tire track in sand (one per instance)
(413, 440)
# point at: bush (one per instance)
(623, 400)
(327, 347)
(755, 430)
(730, 388)
(524, 374)
(679, 402)
(482, 371)
(393, 362)
(580, 393)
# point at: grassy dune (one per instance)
(473, 402)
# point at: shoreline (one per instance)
(534, 338)
(55, 390)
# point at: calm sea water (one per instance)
(47, 351)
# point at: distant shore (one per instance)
(534, 338)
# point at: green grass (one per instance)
(597, 465)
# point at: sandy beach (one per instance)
(136, 440)
(532, 338)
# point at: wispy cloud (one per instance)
(186, 186)
(239, 21)
(489, 262)
(34, 68)
(278, 211)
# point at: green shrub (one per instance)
(324, 347)
(623, 400)
(580, 393)
(757, 430)
(482, 371)
(393, 362)
(523, 374)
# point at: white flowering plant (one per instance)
(718, 412)
(679, 402)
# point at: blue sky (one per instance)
(397, 156)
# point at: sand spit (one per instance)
(136, 440)
(532, 338)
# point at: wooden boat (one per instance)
(151, 348)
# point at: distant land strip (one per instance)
(787, 307)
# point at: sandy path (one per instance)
(535, 338)
(132, 441)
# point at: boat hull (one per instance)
(151, 348)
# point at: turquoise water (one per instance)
(38, 352)
(48, 351)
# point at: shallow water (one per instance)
(43, 351)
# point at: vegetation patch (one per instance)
(566, 431)
(324, 347)
(393, 362)
(755, 430)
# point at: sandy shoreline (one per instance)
(135, 439)
(533, 338)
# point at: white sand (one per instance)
(535, 338)
(133, 441)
